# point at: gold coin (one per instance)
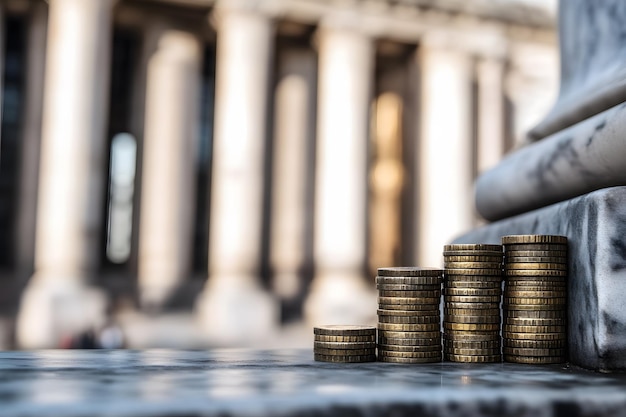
(510, 328)
(535, 260)
(471, 306)
(472, 265)
(534, 247)
(522, 321)
(390, 334)
(471, 326)
(345, 330)
(474, 284)
(465, 344)
(471, 352)
(535, 294)
(451, 318)
(532, 352)
(473, 258)
(473, 291)
(535, 253)
(396, 354)
(409, 342)
(344, 345)
(489, 253)
(404, 348)
(534, 301)
(408, 313)
(534, 273)
(533, 307)
(531, 360)
(398, 327)
(409, 287)
(536, 344)
(344, 359)
(345, 352)
(540, 314)
(472, 247)
(471, 299)
(535, 266)
(435, 280)
(464, 336)
(345, 339)
(391, 359)
(409, 271)
(408, 300)
(473, 358)
(430, 308)
(515, 239)
(409, 319)
(470, 312)
(474, 271)
(411, 294)
(524, 287)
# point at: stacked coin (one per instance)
(409, 321)
(344, 344)
(472, 294)
(535, 296)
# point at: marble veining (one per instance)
(585, 157)
(595, 225)
(592, 39)
(290, 383)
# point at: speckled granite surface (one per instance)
(596, 227)
(290, 383)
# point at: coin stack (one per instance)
(472, 293)
(535, 296)
(409, 321)
(344, 344)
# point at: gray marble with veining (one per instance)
(592, 37)
(585, 157)
(595, 225)
(290, 383)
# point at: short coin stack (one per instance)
(535, 298)
(344, 344)
(409, 320)
(472, 294)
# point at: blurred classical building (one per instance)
(246, 163)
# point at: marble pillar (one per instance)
(233, 306)
(58, 301)
(292, 162)
(31, 139)
(445, 154)
(339, 292)
(168, 176)
(491, 112)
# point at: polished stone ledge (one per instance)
(585, 157)
(596, 227)
(290, 383)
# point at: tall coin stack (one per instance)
(344, 344)
(409, 320)
(472, 293)
(535, 299)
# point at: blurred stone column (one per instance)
(491, 114)
(31, 138)
(294, 119)
(168, 176)
(346, 68)
(445, 154)
(234, 306)
(58, 301)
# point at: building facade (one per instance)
(246, 163)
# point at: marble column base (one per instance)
(54, 309)
(595, 224)
(233, 310)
